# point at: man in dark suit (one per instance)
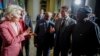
(40, 16)
(84, 36)
(45, 36)
(63, 28)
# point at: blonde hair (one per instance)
(13, 9)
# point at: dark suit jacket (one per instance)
(84, 39)
(28, 21)
(63, 33)
(38, 18)
(44, 37)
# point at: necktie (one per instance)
(46, 25)
(63, 22)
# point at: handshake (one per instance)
(52, 29)
(30, 33)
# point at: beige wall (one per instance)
(33, 8)
(67, 3)
(30, 8)
(91, 3)
(50, 5)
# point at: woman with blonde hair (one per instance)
(12, 31)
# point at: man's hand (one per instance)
(35, 45)
(31, 33)
(28, 30)
(52, 29)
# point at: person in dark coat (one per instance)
(28, 23)
(63, 28)
(40, 16)
(1, 20)
(0, 35)
(84, 36)
(45, 36)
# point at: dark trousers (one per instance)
(27, 47)
(21, 53)
(0, 44)
(83, 55)
(87, 52)
(57, 50)
(42, 51)
(26, 44)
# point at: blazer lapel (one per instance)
(20, 28)
(11, 29)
